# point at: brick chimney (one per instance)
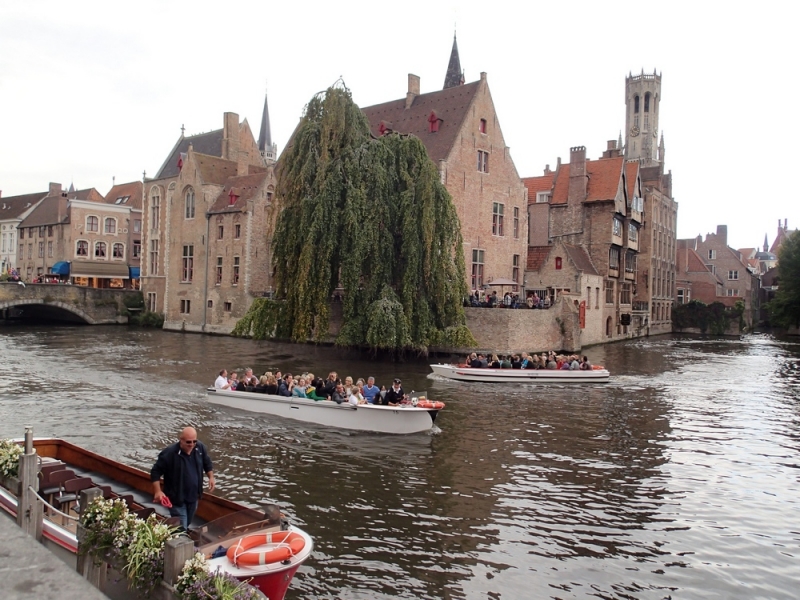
(577, 174)
(230, 136)
(55, 189)
(413, 89)
(722, 234)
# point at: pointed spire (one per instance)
(619, 141)
(766, 245)
(265, 134)
(661, 148)
(454, 75)
(71, 189)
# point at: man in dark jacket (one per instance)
(394, 395)
(182, 465)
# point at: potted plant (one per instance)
(9, 466)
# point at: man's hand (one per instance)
(158, 496)
(211, 482)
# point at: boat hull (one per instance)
(520, 375)
(364, 417)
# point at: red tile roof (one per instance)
(534, 185)
(450, 105)
(604, 176)
(126, 194)
(244, 187)
(537, 255)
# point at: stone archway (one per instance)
(40, 306)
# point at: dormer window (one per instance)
(433, 122)
(482, 126)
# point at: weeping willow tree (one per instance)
(369, 215)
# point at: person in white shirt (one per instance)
(222, 381)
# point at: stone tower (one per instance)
(269, 151)
(642, 102)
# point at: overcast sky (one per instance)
(95, 90)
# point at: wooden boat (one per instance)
(462, 373)
(402, 419)
(218, 522)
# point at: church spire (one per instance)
(454, 75)
(766, 245)
(265, 145)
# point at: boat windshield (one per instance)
(235, 525)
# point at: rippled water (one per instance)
(678, 479)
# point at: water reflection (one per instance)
(680, 477)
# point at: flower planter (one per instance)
(12, 484)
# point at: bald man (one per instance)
(182, 465)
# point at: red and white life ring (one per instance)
(430, 404)
(281, 545)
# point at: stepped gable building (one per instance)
(13, 210)
(461, 132)
(738, 281)
(619, 210)
(206, 227)
(694, 279)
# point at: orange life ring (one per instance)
(430, 404)
(282, 546)
(597, 367)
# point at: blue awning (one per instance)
(60, 268)
(134, 272)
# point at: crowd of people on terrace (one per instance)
(312, 387)
(547, 360)
(479, 300)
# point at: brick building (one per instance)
(694, 280)
(206, 227)
(461, 132)
(738, 281)
(13, 210)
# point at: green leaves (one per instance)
(784, 310)
(368, 216)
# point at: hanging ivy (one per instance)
(369, 215)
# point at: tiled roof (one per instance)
(13, 206)
(245, 188)
(50, 211)
(631, 171)
(689, 261)
(204, 143)
(580, 259)
(604, 175)
(126, 194)
(450, 105)
(213, 169)
(537, 255)
(534, 185)
(88, 195)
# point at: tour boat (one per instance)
(411, 418)
(218, 522)
(461, 373)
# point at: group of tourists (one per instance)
(509, 300)
(309, 386)
(547, 360)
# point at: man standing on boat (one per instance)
(182, 465)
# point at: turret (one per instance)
(642, 103)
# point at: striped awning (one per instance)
(101, 269)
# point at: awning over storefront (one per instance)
(134, 272)
(60, 268)
(101, 269)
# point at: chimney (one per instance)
(577, 174)
(786, 224)
(55, 189)
(722, 233)
(611, 144)
(413, 89)
(230, 136)
(547, 170)
(483, 75)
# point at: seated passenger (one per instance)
(234, 381)
(348, 385)
(516, 363)
(574, 365)
(495, 364)
(370, 391)
(299, 390)
(585, 364)
(329, 386)
(525, 362)
(551, 362)
(338, 394)
(484, 361)
(222, 382)
(474, 361)
(394, 395)
(272, 385)
(563, 365)
(286, 385)
(261, 388)
(505, 363)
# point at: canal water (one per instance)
(680, 478)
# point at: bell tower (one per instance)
(642, 103)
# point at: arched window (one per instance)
(636, 104)
(82, 249)
(647, 102)
(118, 250)
(111, 225)
(92, 223)
(189, 204)
(155, 206)
(99, 249)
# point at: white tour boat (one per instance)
(401, 419)
(461, 373)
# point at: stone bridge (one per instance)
(62, 302)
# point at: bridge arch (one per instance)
(39, 302)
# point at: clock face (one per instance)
(634, 131)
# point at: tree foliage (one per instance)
(369, 215)
(714, 318)
(784, 309)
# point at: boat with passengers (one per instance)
(596, 374)
(259, 544)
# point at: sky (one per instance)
(91, 91)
